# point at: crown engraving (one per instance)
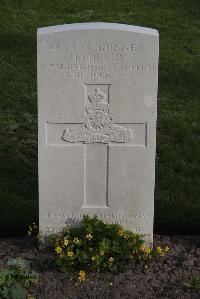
(97, 96)
(99, 126)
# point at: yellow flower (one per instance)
(93, 258)
(166, 249)
(89, 236)
(82, 275)
(159, 249)
(147, 251)
(111, 259)
(58, 249)
(121, 232)
(101, 253)
(70, 253)
(65, 242)
(76, 240)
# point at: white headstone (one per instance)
(97, 96)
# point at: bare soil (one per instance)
(164, 277)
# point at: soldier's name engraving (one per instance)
(96, 57)
(98, 126)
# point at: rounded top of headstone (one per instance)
(96, 26)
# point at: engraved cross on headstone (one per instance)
(97, 134)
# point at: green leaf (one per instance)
(19, 264)
(16, 292)
(5, 277)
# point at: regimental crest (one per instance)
(99, 126)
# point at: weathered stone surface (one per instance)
(97, 95)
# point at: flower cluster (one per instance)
(99, 246)
(82, 275)
(151, 252)
(162, 251)
(96, 245)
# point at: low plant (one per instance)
(16, 278)
(98, 246)
(194, 283)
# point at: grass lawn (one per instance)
(177, 192)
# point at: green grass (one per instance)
(177, 194)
